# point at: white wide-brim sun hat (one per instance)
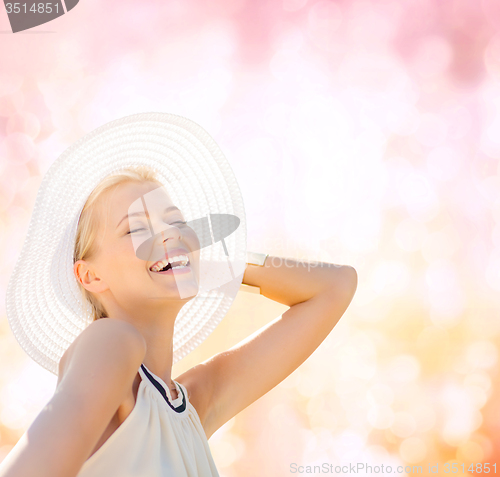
(45, 307)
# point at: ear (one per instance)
(87, 277)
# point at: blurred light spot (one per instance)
(371, 309)
(441, 244)
(433, 339)
(441, 275)
(459, 121)
(325, 18)
(425, 417)
(321, 419)
(404, 368)
(481, 354)
(459, 414)
(264, 155)
(327, 118)
(370, 27)
(64, 122)
(402, 119)
(279, 413)
(24, 122)
(493, 269)
(482, 323)
(410, 234)
(361, 233)
(495, 235)
(310, 440)
(228, 449)
(347, 387)
(277, 119)
(293, 5)
(490, 133)
(359, 357)
(478, 396)
(9, 82)
(380, 394)
(62, 93)
(218, 39)
(420, 199)
(404, 424)
(495, 211)
(13, 416)
(492, 57)
(287, 37)
(479, 379)
(446, 308)
(380, 417)
(470, 452)
(378, 453)
(367, 72)
(29, 191)
(13, 176)
(390, 278)
(7, 193)
(402, 87)
(325, 442)
(433, 56)
(309, 385)
(285, 66)
(432, 130)
(11, 103)
(443, 163)
(349, 443)
(413, 450)
(17, 147)
(490, 188)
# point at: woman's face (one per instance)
(139, 227)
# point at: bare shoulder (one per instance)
(108, 336)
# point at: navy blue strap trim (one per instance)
(160, 388)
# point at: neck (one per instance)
(157, 328)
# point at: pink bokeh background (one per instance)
(361, 132)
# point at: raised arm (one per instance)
(99, 369)
(317, 293)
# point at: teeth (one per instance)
(178, 258)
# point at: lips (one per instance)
(170, 254)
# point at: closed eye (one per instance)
(135, 230)
(142, 228)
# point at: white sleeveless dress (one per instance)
(161, 437)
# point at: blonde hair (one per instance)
(88, 224)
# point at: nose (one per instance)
(155, 247)
(170, 232)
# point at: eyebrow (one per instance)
(168, 209)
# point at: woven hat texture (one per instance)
(45, 308)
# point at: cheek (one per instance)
(191, 239)
(120, 258)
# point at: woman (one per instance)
(139, 256)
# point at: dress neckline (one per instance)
(179, 403)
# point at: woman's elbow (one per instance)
(344, 283)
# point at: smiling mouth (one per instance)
(178, 262)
